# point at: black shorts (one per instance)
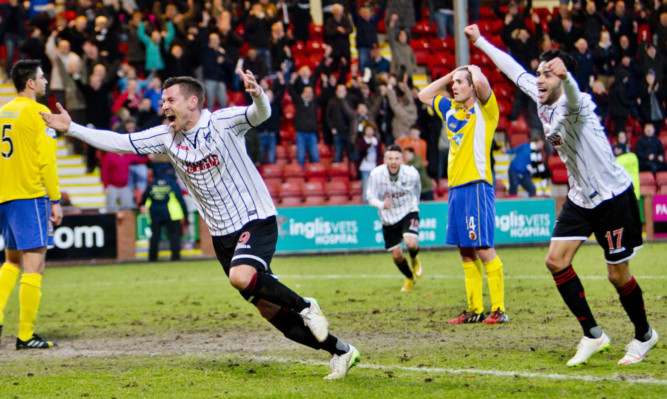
(393, 235)
(615, 222)
(253, 245)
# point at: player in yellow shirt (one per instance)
(471, 118)
(29, 197)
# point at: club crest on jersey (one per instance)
(208, 137)
(468, 116)
(205, 164)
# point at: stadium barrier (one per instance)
(111, 237)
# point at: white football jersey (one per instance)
(210, 158)
(572, 126)
(403, 192)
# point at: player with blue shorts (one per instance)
(29, 198)
(471, 118)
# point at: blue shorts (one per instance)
(472, 216)
(25, 223)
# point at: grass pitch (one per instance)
(179, 330)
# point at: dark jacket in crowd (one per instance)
(305, 114)
(367, 31)
(273, 123)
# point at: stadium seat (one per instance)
(281, 153)
(356, 199)
(274, 188)
(336, 187)
(443, 45)
(420, 44)
(316, 31)
(485, 27)
(646, 179)
(664, 141)
(423, 29)
(559, 176)
(647, 190)
(271, 171)
(661, 179)
(339, 169)
(324, 150)
(337, 200)
(299, 49)
(313, 192)
(504, 106)
(503, 123)
(662, 190)
(293, 170)
(291, 201)
(313, 200)
(554, 162)
(441, 60)
(355, 188)
(288, 112)
(316, 171)
(236, 98)
(315, 48)
(439, 71)
(487, 13)
(422, 56)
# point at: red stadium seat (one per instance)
(420, 44)
(299, 49)
(293, 170)
(554, 162)
(271, 171)
(647, 190)
(423, 28)
(518, 139)
(339, 169)
(646, 179)
(446, 45)
(291, 201)
(315, 47)
(336, 187)
(559, 176)
(355, 187)
(313, 200)
(439, 71)
(274, 188)
(500, 189)
(316, 31)
(422, 56)
(662, 190)
(313, 192)
(661, 178)
(291, 189)
(338, 200)
(316, 171)
(441, 60)
(236, 98)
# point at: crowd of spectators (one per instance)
(107, 60)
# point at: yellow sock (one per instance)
(29, 295)
(8, 275)
(473, 274)
(494, 274)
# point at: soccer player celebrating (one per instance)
(208, 152)
(29, 197)
(394, 189)
(471, 119)
(601, 199)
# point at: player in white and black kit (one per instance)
(394, 189)
(600, 200)
(208, 151)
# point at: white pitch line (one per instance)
(320, 277)
(631, 379)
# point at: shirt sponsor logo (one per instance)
(205, 164)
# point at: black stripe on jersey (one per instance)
(246, 117)
(236, 166)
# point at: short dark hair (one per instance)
(188, 86)
(23, 71)
(568, 60)
(394, 147)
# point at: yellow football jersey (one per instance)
(470, 133)
(27, 152)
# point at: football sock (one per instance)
(264, 286)
(8, 276)
(573, 294)
(494, 275)
(404, 268)
(29, 295)
(291, 325)
(633, 303)
(414, 253)
(473, 281)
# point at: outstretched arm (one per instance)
(508, 65)
(260, 109)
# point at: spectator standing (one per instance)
(403, 60)
(367, 28)
(128, 99)
(403, 108)
(136, 51)
(414, 160)
(337, 31)
(258, 32)
(519, 171)
(216, 67)
(269, 129)
(444, 17)
(652, 97)
(650, 151)
(605, 54)
(305, 117)
(153, 45)
(339, 116)
(254, 62)
(585, 73)
(12, 29)
(280, 50)
(369, 149)
(620, 105)
(414, 141)
(63, 52)
(301, 18)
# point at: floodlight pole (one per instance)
(460, 22)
